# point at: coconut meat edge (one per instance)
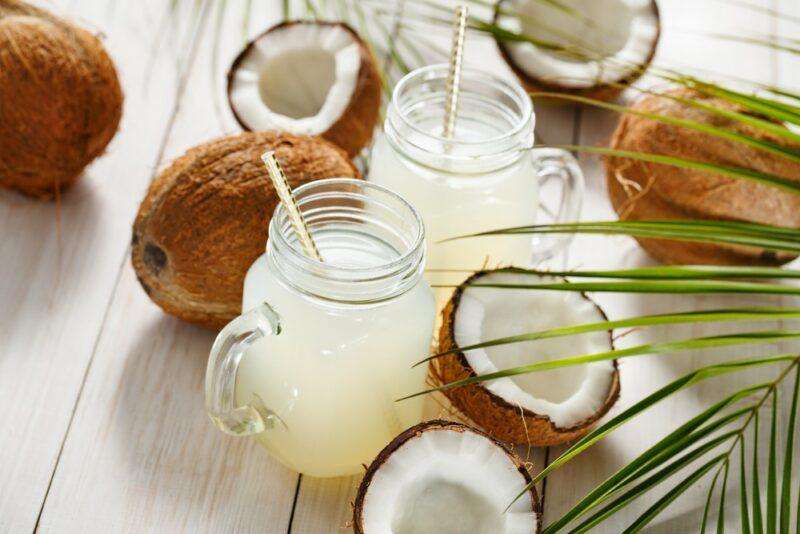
(633, 19)
(309, 72)
(445, 482)
(566, 395)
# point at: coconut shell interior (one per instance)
(499, 418)
(416, 431)
(643, 190)
(204, 220)
(60, 100)
(353, 130)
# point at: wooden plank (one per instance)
(641, 376)
(61, 262)
(142, 453)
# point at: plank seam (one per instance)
(294, 503)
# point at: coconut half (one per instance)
(543, 408)
(441, 477)
(606, 43)
(308, 78)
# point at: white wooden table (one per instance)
(101, 393)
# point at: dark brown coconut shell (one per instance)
(204, 220)
(415, 432)
(60, 100)
(604, 91)
(642, 190)
(353, 130)
(501, 419)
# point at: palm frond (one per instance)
(685, 438)
(720, 232)
(690, 317)
(697, 343)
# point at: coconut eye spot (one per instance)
(297, 82)
(422, 503)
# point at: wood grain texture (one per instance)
(142, 453)
(87, 362)
(61, 261)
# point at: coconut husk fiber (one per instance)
(60, 100)
(204, 220)
(641, 190)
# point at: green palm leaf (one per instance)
(720, 315)
(736, 233)
(722, 133)
(772, 469)
(786, 483)
(758, 520)
(651, 286)
(743, 506)
(673, 494)
(693, 431)
(696, 165)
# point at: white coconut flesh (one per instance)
(613, 37)
(566, 395)
(443, 481)
(297, 78)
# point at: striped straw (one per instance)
(454, 76)
(286, 197)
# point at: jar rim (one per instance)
(514, 90)
(378, 282)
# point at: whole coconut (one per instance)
(204, 220)
(641, 190)
(60, 100)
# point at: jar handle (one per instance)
(223, 364)
(559, 164)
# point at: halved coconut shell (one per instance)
(309, 78)
(540, 409)
(441, 477)
(204, 220)
(60, 100)
(643, 190)
(624, 34)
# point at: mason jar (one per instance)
(487, 176)
(315, 365)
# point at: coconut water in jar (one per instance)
(328, 347)
(485, 177)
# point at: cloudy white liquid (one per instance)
(334, 372)
(462, 203)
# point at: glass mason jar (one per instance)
(486, 177)
(314, 367)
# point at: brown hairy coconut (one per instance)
(204, 220)
(60, 100)
(311, 78)
(641, 190)
(441, 477)
(540, 409)
(607, 44)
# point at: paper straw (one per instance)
(454, 76)
(286, 197)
